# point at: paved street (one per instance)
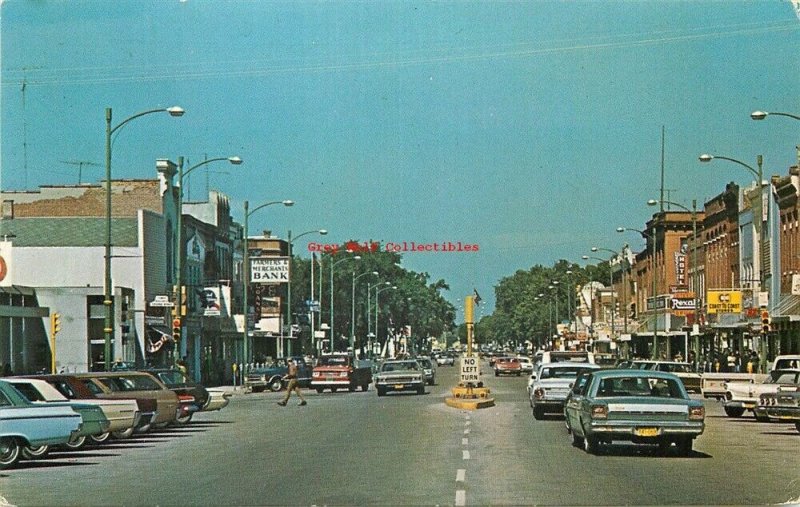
(403, 449)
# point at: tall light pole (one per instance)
(611, 281)
(246, 271)
(378, 291)
(179, 238)
(760, 115)
(353, 308)
(652, 238)
(695, 285)
(369, 306)
(570, 294)
(333, 265)
(758, 223)
(108, 329)
(554, 288)
(289, 242)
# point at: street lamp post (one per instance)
(758, 220)
(369, 307)
(290, 241)
(695, 285)
(652, 238)
(570, 295)
(246, 271)
(179, 238)
(760, 115)
(378, 291)
(333, 265)
(108, 329)
(611, 281)
(353, 308)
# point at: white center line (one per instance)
(466, 431)
(461, 475)
(467, 423)
(461, 498)
(464, 441)
(465, 454)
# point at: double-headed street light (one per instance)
(333, 265)
(179, 236)
(290, 241)
(353, 308)
(652, 238)
(246, 270)
(108, 329)
(760, 115)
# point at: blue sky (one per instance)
(532, 129)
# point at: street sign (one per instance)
(470, 370)
(724, 301)
(162, 301)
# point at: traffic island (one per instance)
(470, 398)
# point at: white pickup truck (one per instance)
(713, 384)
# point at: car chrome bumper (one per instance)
(749, 405)
(784, 413)
(628, 430)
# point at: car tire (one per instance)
(320, 389)
(76, 443)
(685, 447)
(35, 452)
(102, 437)
(184, 419)
(734, 411)
(123, 434)
(538, 413)
(577, 441)
(145, 429)
(10, 452)
(381, 392)
(275, 385)
(496, 374)
(334, 389)
(590, 444)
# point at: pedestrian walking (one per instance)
(293, 385)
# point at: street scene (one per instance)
(399, 253)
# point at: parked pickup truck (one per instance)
(335, 371)
(272, 376)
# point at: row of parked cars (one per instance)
(638, 402)
(39, 412)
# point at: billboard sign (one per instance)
(269, 270)
(724, 301)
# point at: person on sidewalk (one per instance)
(293, 385)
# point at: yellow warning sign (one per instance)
(724, 301)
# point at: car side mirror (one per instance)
(571, 385)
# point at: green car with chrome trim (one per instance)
(642, 407)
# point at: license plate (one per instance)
(398, 386)
(646, 432)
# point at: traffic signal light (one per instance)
(765, 322)
(176, 330)
(55, 323)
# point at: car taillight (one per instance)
(343, 374)
(316, 374)
(599, 411)
(697, 413)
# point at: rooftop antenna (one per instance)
(80, 164)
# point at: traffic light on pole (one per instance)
(55, 323)
(176, 330)
(765, 321)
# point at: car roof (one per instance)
(570, 364)
(624, 372)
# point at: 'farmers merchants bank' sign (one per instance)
(724, 301)
(269, 270)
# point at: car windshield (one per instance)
(786, 377)
(172, 377)
(400, 366)
(425, 363)
(639, 386)
(561, 372)
(333, 361)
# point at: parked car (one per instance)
(507, 366)
(551, 385)
(77, 388)
(429, 369)
(272, 376)
(123, 414)
(403, 375)
(690, 379)
(639, 406)
(445, 358)
(134, 384)
(25, 425)
(192, 396)
(781, 406)
(741, 396)
(93, 418)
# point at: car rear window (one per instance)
(639, 386)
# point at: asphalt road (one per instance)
(404, 449)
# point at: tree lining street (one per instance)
(404, 449)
